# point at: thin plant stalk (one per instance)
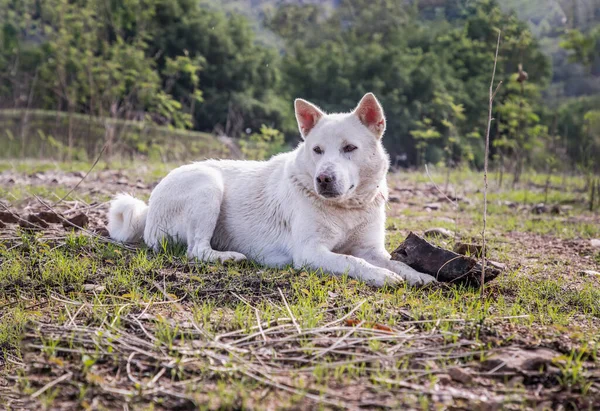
(485, 166)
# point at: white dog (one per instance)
(320, 206)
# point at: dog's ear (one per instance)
(307, 115)
(370, 113)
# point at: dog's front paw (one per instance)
(412, 277)
(417, 279)
(382, 277)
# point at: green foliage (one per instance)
(169, 62)
(583, 48)
(580, 137)
(204, 65)
(431, 76)
(261, 146)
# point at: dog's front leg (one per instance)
(320, 257)
(382, 258)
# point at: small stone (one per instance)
(77, 222)
(539, 209)
(545, 406)
(102, 232)
(589, 272)
(50, 217)
(444, 379)
(393, 199)
(93, 287)
(33, 222)
(474, 250)
(496, 264)
(433, 206)
(460, 375)
(516, 382)
(122, 181)
(438, 232)
(143, 186)
(514, 359)
(9, 218)
(446, 220)
(595, 242)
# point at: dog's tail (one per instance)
(127, 218)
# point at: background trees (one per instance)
(202, 65)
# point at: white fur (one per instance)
(272, 212)
(127, 218)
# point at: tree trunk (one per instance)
(70, 133)
(592, 194)
(25, 119)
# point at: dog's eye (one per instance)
(318, 150)
(349, 148)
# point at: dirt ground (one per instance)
(86, 323)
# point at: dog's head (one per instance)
(342, 153)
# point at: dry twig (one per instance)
(485, 166)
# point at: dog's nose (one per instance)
(325, 178)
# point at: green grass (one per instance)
(90, 283)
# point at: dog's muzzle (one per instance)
(326, 185)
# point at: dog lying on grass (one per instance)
(320, 206)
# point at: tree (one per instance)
(583, 48)
(421, 70)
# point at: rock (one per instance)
(460, 375)
(444, 379)
(102, 232)
(9, 218)
(33, 222)
(143, 186)
(496, 264)
(432, 206)
(446, 220)
(50, 217)
(516, 382)
(539, 209)
(78, 174)
(589, 272)
(595, 242)
(122, 181)
(77, 222)
(393, 199)
(438, 232)
(93, 287)
(474, 250)
(517, 360)
(547, 405)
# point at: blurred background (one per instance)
(176, 80)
